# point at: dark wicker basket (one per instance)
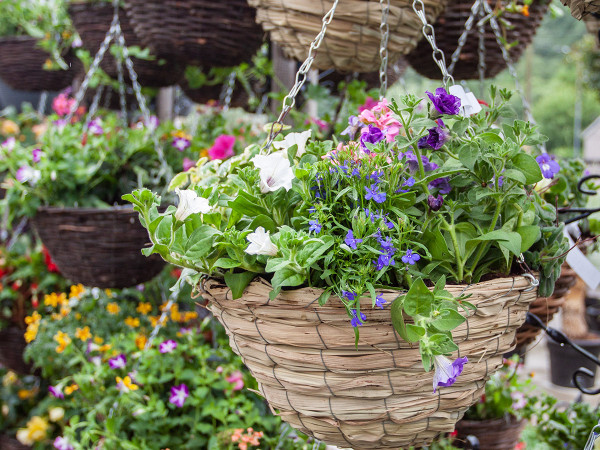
(197, 32)
(493, 434)
(12, 346)
(10, 443)
(92, 21)
(21, 66)
(97, 247)
(450, 26)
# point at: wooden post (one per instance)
(284, 71)
(164, 103)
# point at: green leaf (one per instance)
(468, 156)
(324, 297)
(238, 282)
(414, 332)
(507, 239)
(227, 263)
(398, 318)
(448, 320)
(528, 166)
(200, 242)
(287, 277)
(263, 221)
(490, 138)
(418, 299)
(442, 344)
(530, 234)
(248, 205)
(516, 175)
(178, 180)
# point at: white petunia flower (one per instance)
(260, 243)
(298, 139)
(275, 172)
(190, 203)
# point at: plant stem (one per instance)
(484, 245)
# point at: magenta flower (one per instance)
(181, 143)
(179, 394)
(446, 372)
(9, 144)
(188, 164)
(60, 443)
(95, 127)
(62, 104)
(36, 153)
(443, 102)
(168, 346)
(118, 362)
(369, 104)
(222, 148)
(26, 173)
(56, 391)
(237, 379)
(548, 165)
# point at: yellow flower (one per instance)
(181, 134)
(48, 64)
(126, 384)
(144, 308)
(190, 315)
(133, 322)
(9, 127)
(31, 332)
(63, 340)
(66, 34)
(175, 314)
(155, 319)
(9, 378)
(56, 414)
(35, 317)
(54, 299)
(64, 311)
(83, 333)
(56, 316)
(76, 290)
(141, 341)
(113, 308)
(70, 389)
(35, 431)
(24, 394)
(108, 292)
(98, 340)
(104, 348)
(78, 316)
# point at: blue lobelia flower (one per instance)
(446, 371)
(356, 322)
(443, 102)
(315, 226)
(410, 182)
(351, 241)
(350, 296)
(374, 194)
(410, 257)
(379, 301)
(384, 260)
(548, 165)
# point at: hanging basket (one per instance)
(10, 443)
(97, 247)
(375, 395)
(22, 66)
(353, 38)
(12, 346)
(92, 21)
(197, 32)
(451, 25)
(492, 434)
(582, 8)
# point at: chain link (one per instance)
(228, 91)
(429, 33)
(42, 103)
(481, 51)
(121, 80)
(290, 100)
(462, 40)
(95, 102)
(383, 49)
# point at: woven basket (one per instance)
(374, 396)
(546, 307)
(450, 26)
(492, 434)
(197, 32)
(97, 247)
(581, 8)
(9, 443)
(12, 346)
(353, 38)
(21, 66)
(92, 21)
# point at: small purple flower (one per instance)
(410, 182)
(356, 322)
(95, 127)
(410, 257)
(26, 173)
(188, 164)
(179, 394)
(56, 391)
(413, 163)
(167, 346)
(61, 443)
(181, 143)
(353, 126)
(9, 144)
(446, 372)
(379, 301)
(350, 296)
(435, 203)
(355, 172)
(548, 165)
(315, 226)
(442, 184)
(351, 241)
(376, 176)
(519, 400)
(443, 102)
(387, 245)
(374, 194)
(118, 362)
(437, 138)
(60, 124)
(36, 153)
(384, 260)
(371, 135)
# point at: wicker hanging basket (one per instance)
(451, 25)
(374, 396)
(22, 66)
(197, 32)
(353, 38)
(97, 247)
(582, 8)
(10, 443)
(92, 21)
(492, 434)
(12, 346)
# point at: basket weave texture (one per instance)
(21, 66)
(451, 25)
(92, 21)
(582, 8)
(198, 32)
(10, 443)
(493, 434)
(376, 395)
(12, 346)
(353, 38)
(97, 247)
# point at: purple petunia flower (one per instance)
(167, 346)
(315, 226)
(442, 184)
(379, 301)
(61, 443)
(56, 391)
(410, 257)
(353, 126)
(446, 371)
(372, 135)
(443, 102)
(437, 138)
(179, 394)
(94, 126)
(118, 362)
(413, 163)
(374, 194)
(350, 296)
(548, 165)
(181, 143)
(351, 241)
(356, 321)
(435, 203)
(36, 154)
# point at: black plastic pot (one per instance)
(565, 360)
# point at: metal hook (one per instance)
(583, 180)
(584, 371)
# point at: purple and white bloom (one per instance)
(118, 362)
(77, 42)
(443, 102)
(179, 394)
(380, 301)
(519, 400)
(374, 194)
(56, 391)
(435, 203)
(410, 257)
(9, 144)
(275, 172)
(190, 203)
(351, 241)
(28, 174)
(298, 139)
(181, 143)
(353, 126)
(356, 321)
(96, 360)
(60, 124)
(446, 371)
(260, 243)
(548, 165)
(61, 443)
(167, 346)
(95, 127)
(36, 154)
(315, 226)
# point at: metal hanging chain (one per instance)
(228, 91)
(121, 80)
(95, 103)
(429, 33)
(42, 103)
(290, 100)
(481, 51)
(462, 40)
(383, 49)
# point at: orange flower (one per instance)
(144, 308)
(525, 10)
(133, 322)
(83, 333)
(76, 290)
(141, 341)
(113, 308)
(70, 389)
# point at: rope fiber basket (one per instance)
(12, 346)
(97, 247)
(375, 395)
(492, 434)
(353, 38)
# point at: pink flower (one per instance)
(62, 104)
(118, 362)
(168, 346)
(181, 143)
(60, 443)
(36, 153)
(369, 104)
(179, 394)
(236, 378)
(219, 369)
(188, 164)
(56, 391)
(9, 144)
(222, 148)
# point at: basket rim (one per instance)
(121, 209)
